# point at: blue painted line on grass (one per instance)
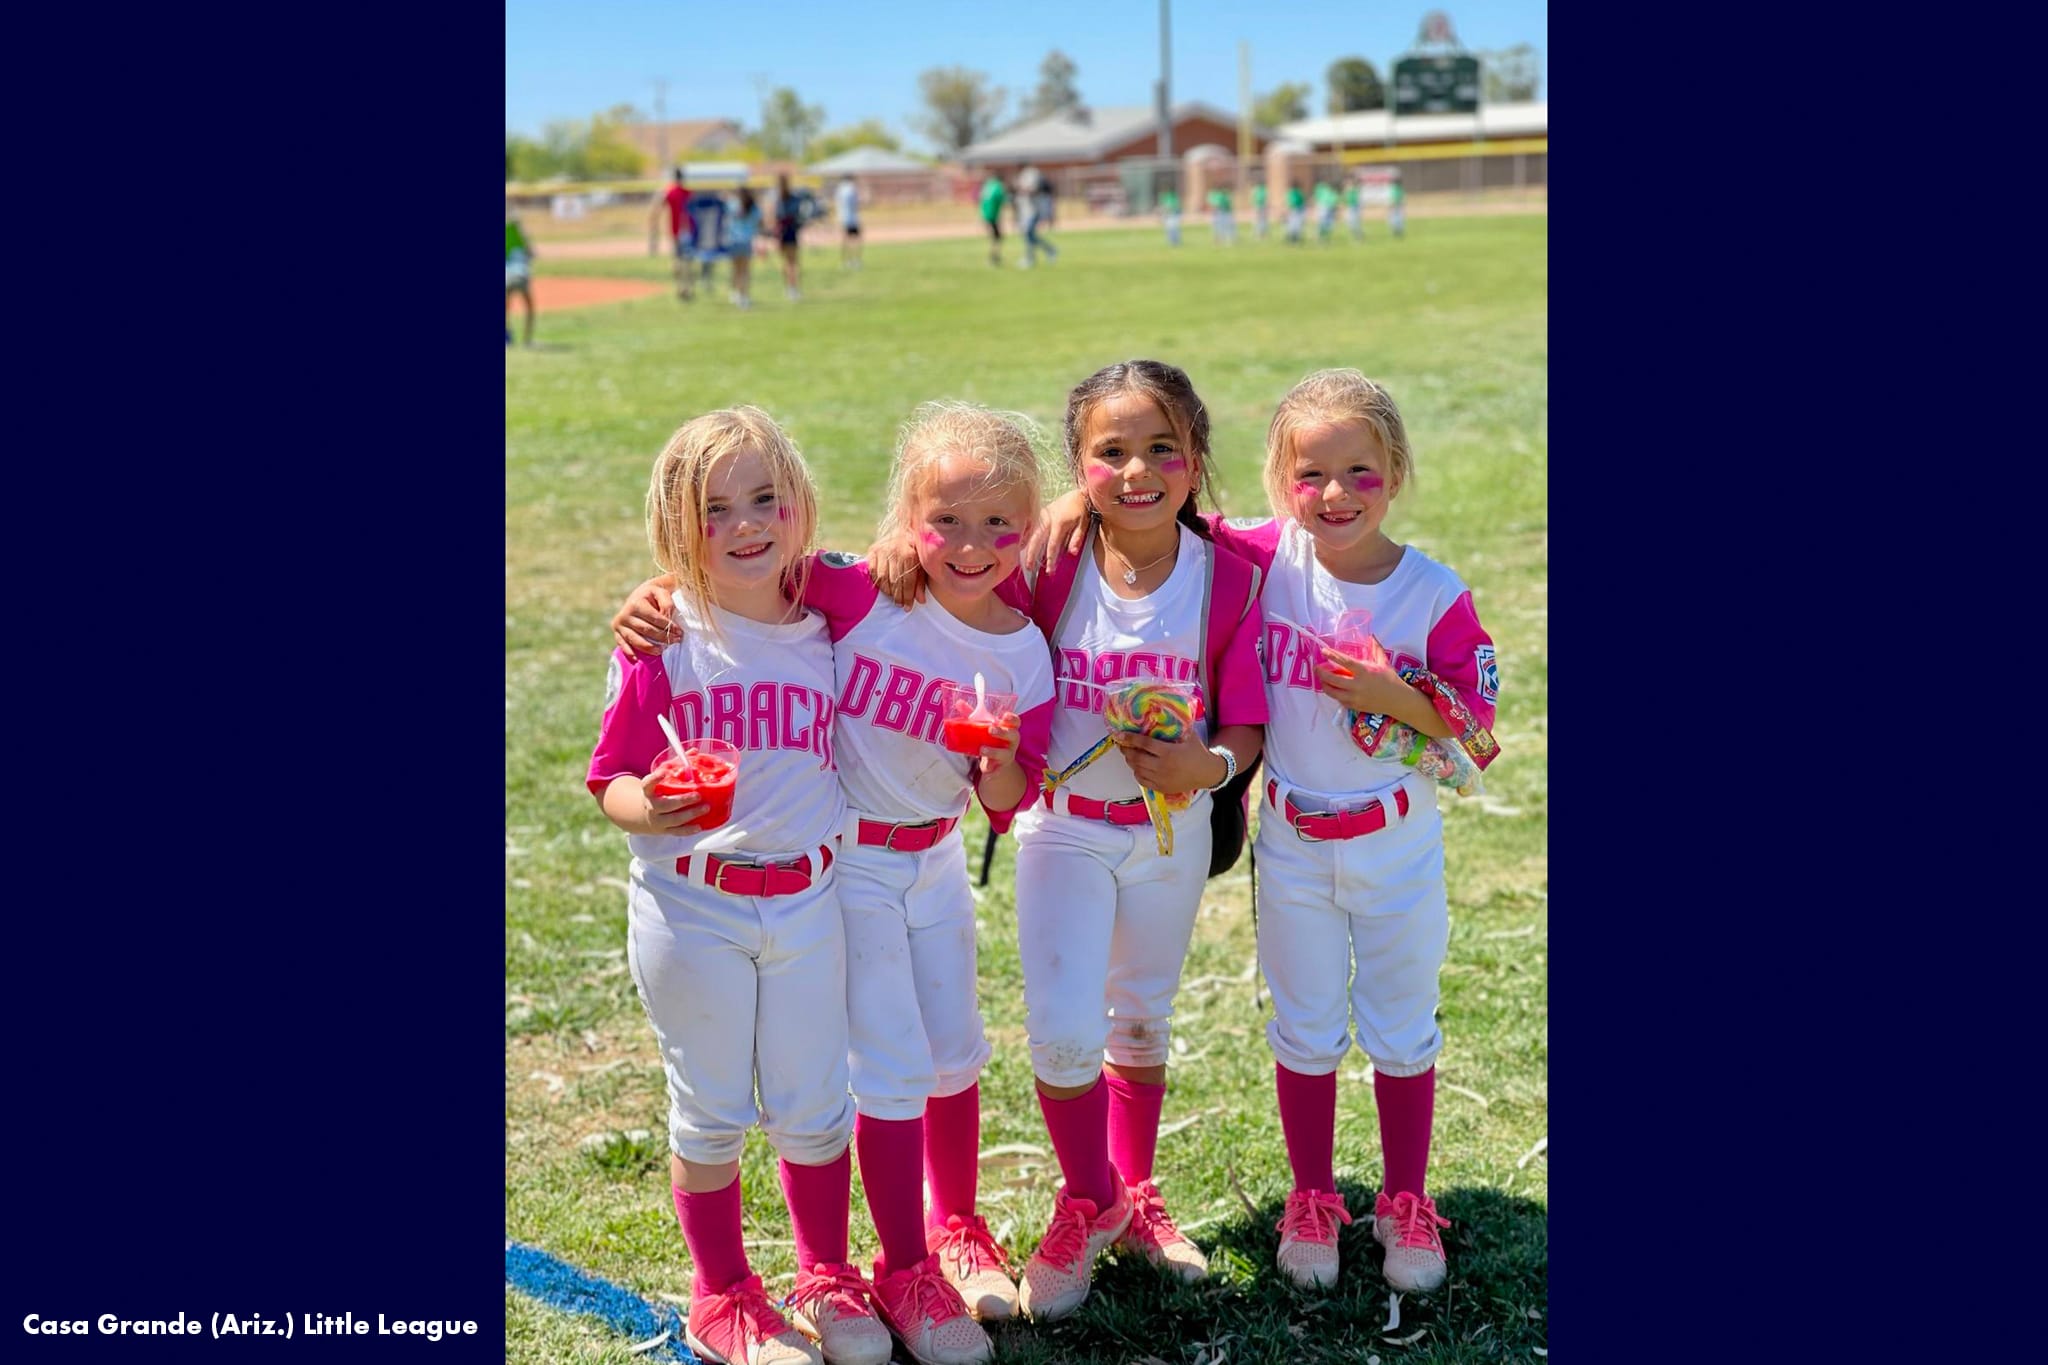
(558, 1284)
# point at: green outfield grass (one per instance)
(1453, 319)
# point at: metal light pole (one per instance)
(1165, 81)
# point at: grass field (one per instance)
(1453, 319)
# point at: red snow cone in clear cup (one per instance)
(707, 768)
(969, 728)
(1352, 637)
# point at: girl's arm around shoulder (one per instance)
(839, 589)
(1253, 539)
(1236, 671)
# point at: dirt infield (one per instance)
(552, 292)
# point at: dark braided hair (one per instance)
(1169, 387)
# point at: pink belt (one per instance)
(738, 878)
(1130, 812)
(1317, 827)
(909, 838)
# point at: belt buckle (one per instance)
(890, 841)
(1302, 834)
(718, 879)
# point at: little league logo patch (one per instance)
(1245, 523)
(614, 682)
(1489, 673)
(838, 559)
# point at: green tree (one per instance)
(1056, 93)
(607, 155)
(788, 125)
(867, 133)
(1508, 76)
(1283, 104)
(962, 107)
(1355, 85)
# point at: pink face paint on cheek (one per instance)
(710, 529)
(782, 514)
(1305, 490)
(1366, 485)
(1099, 473)
(1174, 464)
(934, 540)
(1005, 541)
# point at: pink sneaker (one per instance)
(1153, 1234)
(928, 1315)
(978, 1268)
(1058, 1273)
(831, 1306)
(1308, 1237)
(741, 1327)
(1406, 1226)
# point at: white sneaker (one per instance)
(928, 1315)
(1058, 1274)
(1308, 1238)
(1406, 1226)
(976, 1266)
(832, 1306)
(1153, 1235)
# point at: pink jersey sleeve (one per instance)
(1034, 737)
(1241, 680)
(1461, 653)
(1015, 592)
(630, 739)
(839, 589)
(1256, 543)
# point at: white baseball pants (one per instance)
(1103, 925)
(741, 991)
(913, 1018)
(1377, 899)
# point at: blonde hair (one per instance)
(1323, 399)
(678, 498)
(1006, 444)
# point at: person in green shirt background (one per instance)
(992, 196)
(1259, 207)
(1351, 210)
(1397, 216)
(1224, 219)
(1295, 205)
(1326, 210)
(1169, 211)
(518, 274)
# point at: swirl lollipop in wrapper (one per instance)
(1161, 710)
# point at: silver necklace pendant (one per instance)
(1130, 575)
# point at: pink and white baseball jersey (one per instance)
(768, 689)
(1421, 613)
(1107, 637)
(892, 667)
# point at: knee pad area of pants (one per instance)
(1301, 1050)
(818, 1145)
(1411, 1063)
(1066, 1061)
(706, 1149)
(1140, 1042)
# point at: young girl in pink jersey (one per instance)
(964, 491)
(1350, 846)
(1104, 918)
(734, 933)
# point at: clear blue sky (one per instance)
(861, 60)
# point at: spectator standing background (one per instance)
(1224, 216)
(676, 202)
(1169, 213)
(1259, 208)
(518, 273)
(1352, 211)
(1034, 207)
(992, 196)
(789, 221)
(1397, 216)
(1326, 210)
(848, 195)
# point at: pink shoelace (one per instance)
(1416, 1222)
(844, 1289)
(1313, 1216)
(1067, 1239)
(968, 1242)
(1149, 1217)
(925, 1294)
(744, 1311)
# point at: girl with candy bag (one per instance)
(1350, 847)
(1104, 917)
(964, 490)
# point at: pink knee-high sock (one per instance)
(891, 1150)
(1133, 1125)
(1308, 1120)
(1407, 1110)
(952, 1153)
(819, 1199)
(711, 1227)
(1079, 1129)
